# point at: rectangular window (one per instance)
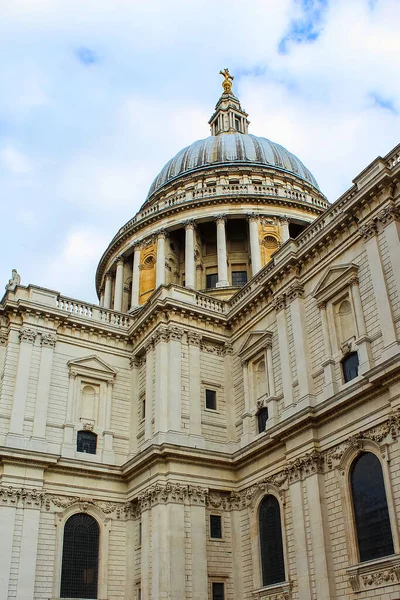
(143, 406)
(215, 526)
(239, 278)
(218, 592)
(211, 280)
(140, 533)
(211, 399)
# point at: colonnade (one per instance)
(190, 264)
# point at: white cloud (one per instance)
(15, 161)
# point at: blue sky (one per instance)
(97, 95)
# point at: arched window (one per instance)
(272, 563)
(350, 366)
(80, 558)
(371, 513)
(262, 418)
(86, 441)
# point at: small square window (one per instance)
(218, 591)
(215, 526)
(211, 399)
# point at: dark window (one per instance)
(218, 592)
(140, 533)
(262, 418)
(86, 441)
(215, 526)
(211, 399)
(350, 366)
(143, 400)
(211, 280)
(79, 572)
(237, 124)
(371, 513)
(273, 568)
(239, 278)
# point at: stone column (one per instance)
(194, 340)
(175, 378)
(130, 562)
(389, 218)
(148, 427)
(7, 524)
(107, 291)
(328, 364)
(146, 552)
(189, 254)
(48, 340)
(363, 342)
(161, 337)
(300, 337)
(135, 277)
(300, 537)
(272, 402)
(160, 263)
(102, 297)
(285, 229)
(221, 252)
(135, 364)
(229, 391)
(27, 339)
(237, 553)
(390, 344)
(283, 341)
(119, 285)
(199, 551)
(28, 553)
(254, 244)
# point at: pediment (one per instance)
(92, 365)
(334, 280)
(255, 341)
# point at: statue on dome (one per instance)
(14, 281)
(227, 83)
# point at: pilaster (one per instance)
(194, 340)
(283, 341)
(254, 244)
(119, 284)
(190, 270)
(48, 342)
(148, 427)
(221, 252)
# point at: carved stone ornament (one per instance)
(193, 338)
(88, 426)
(279, 302)
(296, 290)
(346, 348)
(14, 281)
(27, 335)
(189, 224)
(388, 214)
(136, 361)
(161, 335)
(3, 336)
(228, 348)
(368, 230)
(175, 333)
(162, 233)
(220, 219)
(212, 348)
(48, 339)
(375, 574)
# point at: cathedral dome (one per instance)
(228, 149)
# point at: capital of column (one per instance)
(48, 340)
(162, 234)
(190, 224)
(279, 302)
(368, 230)
(220, 219)
(389, 213)
(284, 219)
(27, 335)
(296, 290)
(149, 346)
(253, 217)
(108, 275)
(193, 338)
(120, 260)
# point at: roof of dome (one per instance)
(238, 148)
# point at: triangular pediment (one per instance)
(92, 364)
(335, 279)
(256, 341)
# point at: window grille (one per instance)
(86, 441)
(273, 567)
(215, 526)
(211, 399)
(262, 418)
(218, 591)
(239, 278)
(80, 558)
(350, 366)
(371, 513)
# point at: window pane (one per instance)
(215, 526)
(80, 557)
(218, 591)
(239, 278)
(350, 366)
(273, 568)
(262, 417)
(211, 399)
(86, 441)
(211, 280)
(370, 508)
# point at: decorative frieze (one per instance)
(212, 348)
(374, 574)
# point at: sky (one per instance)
(97, 95)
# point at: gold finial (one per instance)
(227, 83)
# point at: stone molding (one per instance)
(279, 302)
(280, 591)
(228, 349)
(161, 233)
(189, 224)
(28, 335)
(389, 213)
(165, 334)
(136, 361)
(220, 218)
(212, 348)
(194, 338)
(48, 339)
(171, 492)
(253, 217)
(368, 230)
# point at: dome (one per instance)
(227, 148)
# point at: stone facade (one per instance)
(173, 386)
